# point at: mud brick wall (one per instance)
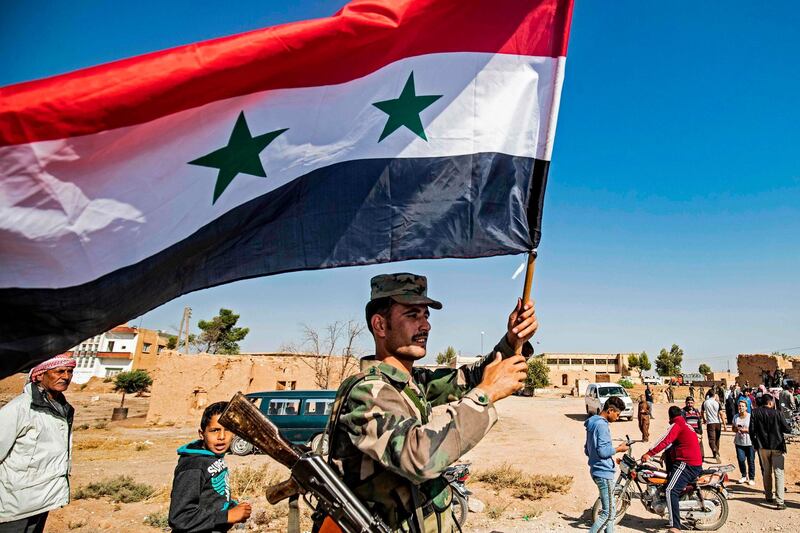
(183, 385)
(752, 367)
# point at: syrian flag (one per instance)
(393, 130)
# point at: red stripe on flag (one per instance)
(363, 37)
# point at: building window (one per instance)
(552, 361)
(588, 361)
(563, 361)
(160, 347)
(564, 379)
(111, 372)
(146, 347)
(110, 346)
(286, 385)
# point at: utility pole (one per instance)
(183, 332)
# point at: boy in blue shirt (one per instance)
(201, 496)
(600, 451)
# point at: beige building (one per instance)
(567, 368)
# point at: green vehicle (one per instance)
(301, 416)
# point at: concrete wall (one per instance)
(183, 385)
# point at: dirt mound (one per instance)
(96, 384)
(13, 384)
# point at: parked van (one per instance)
(598, 393)
(300, 415)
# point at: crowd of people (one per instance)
(756, 416)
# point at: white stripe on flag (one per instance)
(65, 205)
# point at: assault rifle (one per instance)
(310, 474)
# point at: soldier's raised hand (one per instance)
(522, 323)
(503, 377)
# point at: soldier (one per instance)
(395, 428)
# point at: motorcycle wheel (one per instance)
(320, 438)
(623, 501)
(460, 508)
(713, 524)
(239, 446)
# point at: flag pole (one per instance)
(526, 289)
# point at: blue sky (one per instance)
(673, 205)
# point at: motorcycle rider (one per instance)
(683, 458)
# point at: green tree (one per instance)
(668, 363)
(538, 374)
(448, 357)
(172, 342)
(644, 362)
(176, 343)
(220, 334)
(633, 362)
(132, 382)
(639, 362)
(704, 369)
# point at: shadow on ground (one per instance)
(578, 522)
(580, 417)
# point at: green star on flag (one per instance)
(241, 155)
(405, 110)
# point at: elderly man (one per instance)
(395, 428)
(35, 443)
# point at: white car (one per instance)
(598, 393)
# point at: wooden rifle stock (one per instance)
(247, 421)
(280, 491)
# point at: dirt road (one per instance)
(538, 435)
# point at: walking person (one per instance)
(684, 460)
(600, 451)
(714, 423)
(648, 395)
(694, 419)
(35, 446)
(767, 427)
(644, 418)
(745, 454)
(730, 407)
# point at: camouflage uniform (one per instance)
(385, 447)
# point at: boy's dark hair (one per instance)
(673, 412)
(615, 402)
(378, 306)
(213, 409)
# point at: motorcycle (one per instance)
(703, 504)
(456, 476)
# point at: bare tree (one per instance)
(333, 350)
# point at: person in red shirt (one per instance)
(684, 461)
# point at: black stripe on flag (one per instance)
(352, 213)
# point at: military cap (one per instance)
(403, 288)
